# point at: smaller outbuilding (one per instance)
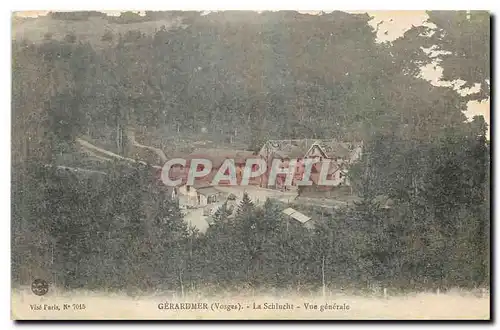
(294, 215)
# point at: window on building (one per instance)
(188, 188)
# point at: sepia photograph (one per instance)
(250, 165)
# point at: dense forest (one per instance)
(273, 75)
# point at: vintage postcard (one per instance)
(279, 165)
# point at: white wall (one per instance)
(203, 200)
(191, 195)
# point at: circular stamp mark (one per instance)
(39, 287)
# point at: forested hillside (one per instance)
(246, 77)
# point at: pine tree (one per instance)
(272, 218)
(221, 215)
(246, 205)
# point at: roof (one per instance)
(336, 149)
(206, 191)
(200, 184)
(302, 218)
(297, 152)
(299, 148)
(318, 146)
(218, 156)
(286, 148)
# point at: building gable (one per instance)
(332, 149)
(315, 151)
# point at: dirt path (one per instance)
(101, 151)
